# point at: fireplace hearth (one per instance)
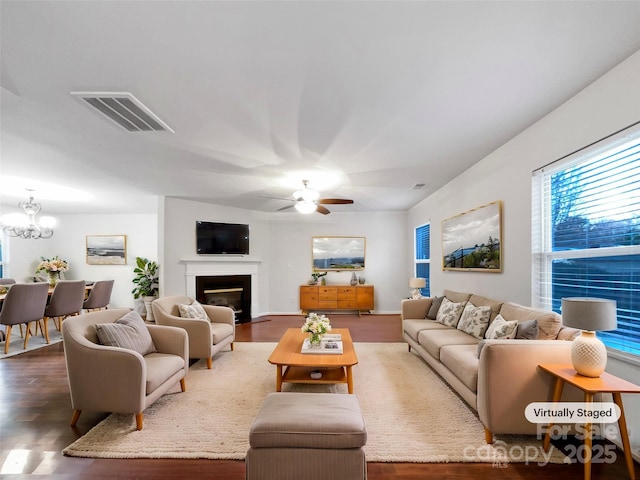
(232, 291)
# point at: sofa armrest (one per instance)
(415, 308)
(509, 379)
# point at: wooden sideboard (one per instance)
(336, 297)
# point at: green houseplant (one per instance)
(145, 283)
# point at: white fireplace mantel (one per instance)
(217, 266)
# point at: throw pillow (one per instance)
(474, 320)
(500, 328)
(528, 330)
(195, 310)
(449, 312)
(435, 306)
(128, 332)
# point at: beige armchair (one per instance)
(119, 380)
(206, 336)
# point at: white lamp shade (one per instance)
(417, 282)
(306, 207)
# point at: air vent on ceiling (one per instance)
(125, 110)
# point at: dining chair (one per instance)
(7, 281)
(99, 296)
(24, 303)
(67, 299)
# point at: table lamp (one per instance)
(588, 353)
(417, 284)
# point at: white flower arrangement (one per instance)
(316, 324)
(54, 264)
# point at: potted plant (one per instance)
(146, 283)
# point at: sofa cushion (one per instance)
(194, 310)
(433, 340)
(549, 322)
(480, 301)
(413, 327)
(463, 363)
(129, 331)
(474, 320)
(528, 330)
(457, 297)
(433, 309)
(449, 312)
(161, 367)
(500, 328)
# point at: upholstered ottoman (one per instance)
(307, 436)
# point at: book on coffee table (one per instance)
(326, 346)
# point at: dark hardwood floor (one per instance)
(35, 411)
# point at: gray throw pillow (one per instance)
(435, 306)
(528, 330)
(128, 332)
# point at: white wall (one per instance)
(69, 243)
(282, 244)
(608, 105)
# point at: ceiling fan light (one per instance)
(306, 207)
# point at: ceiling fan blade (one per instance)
(335, 201)
(285, 208)
(322, 210)
(277, 198)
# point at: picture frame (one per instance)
(338, 253)
(106, 249)
(472, 241)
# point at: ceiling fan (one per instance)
(307, 201)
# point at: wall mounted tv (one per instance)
(222, 238)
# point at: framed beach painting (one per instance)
(472, 241)
(106, 249)
(338, 253)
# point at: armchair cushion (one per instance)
(128, 332)
(194, 310)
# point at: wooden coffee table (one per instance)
(292, 366)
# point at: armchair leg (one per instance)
(232, 346)
(488, 436)
(209, 363)
(139, 421)
(183, 385)
(75, 417)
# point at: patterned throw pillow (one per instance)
(475, 320)
(500, 328)
(128, 332)
(449, 312)
(194, 310)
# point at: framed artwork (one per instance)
(338, 253)
(106, 249)
(472, 241)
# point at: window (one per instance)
(422, 256)
(586, 232)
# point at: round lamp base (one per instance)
(589, 355)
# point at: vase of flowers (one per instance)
(316, 326)
(53, 267)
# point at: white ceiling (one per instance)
(365, 99)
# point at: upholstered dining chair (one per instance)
(207, 336)
(99, 296)
(24, 303)
(7, 281)
(116, 363)
(67, 299)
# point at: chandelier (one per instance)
(24, 225)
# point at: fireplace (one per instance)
(233, 291)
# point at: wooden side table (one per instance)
(606, 383)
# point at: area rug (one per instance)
(411, 415)
(16, 345)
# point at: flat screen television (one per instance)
(214, 238)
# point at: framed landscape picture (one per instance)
(338, 253)
(106, 249)
(472, 241)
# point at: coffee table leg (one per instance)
(278, 378)
(349, 379)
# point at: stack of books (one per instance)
(331, 343)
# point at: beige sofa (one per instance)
(500, 379)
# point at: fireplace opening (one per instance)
(233, 291)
